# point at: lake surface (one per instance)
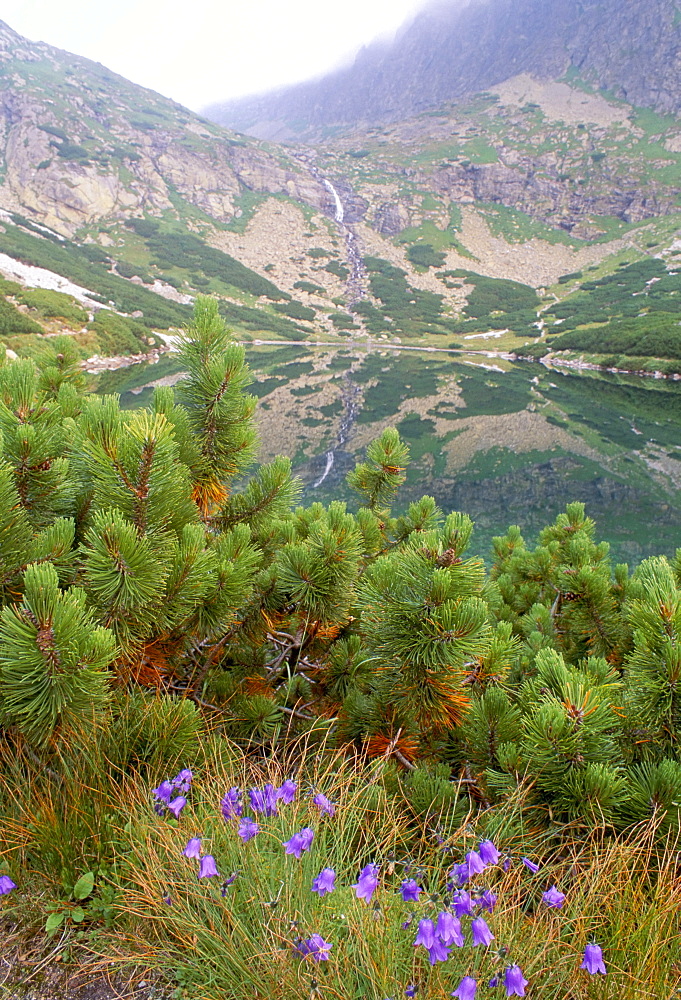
(506, 442)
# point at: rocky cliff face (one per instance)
(632, 49)
(79, 145)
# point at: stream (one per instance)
(351, 398)
(356, 283)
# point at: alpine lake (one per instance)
(507, 442)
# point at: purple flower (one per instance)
(193, 848)
(6, 885)
(164, 792)
(167, 900)
(182, 782)
(475, 863)
(460, 873)
(448, 929)
(318, 948)
(593, 959)
(177, 805)
(487, 901)
(324, 882)
(494, 982)
(488, 852)
(324, 805)
(410, 891)
(531, 865)
(411, 990)
(463, 904)
(299, 842)
(287, 792)
(481, 932)
(207, 866)
(553, 898)
(226, 884)
(438, 952)
(264, 801)
(466, 989)
(426, 934)
(231, 804)
(367, 882)
(248, 828)
(514, 981)
(507, 864)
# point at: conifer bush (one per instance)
(153, 582)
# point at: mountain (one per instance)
(471, 219)
(80, 144)
(632, 50)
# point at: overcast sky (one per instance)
(209, 50)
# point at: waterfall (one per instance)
(327, 470)
(340, 214)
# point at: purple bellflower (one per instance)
(299, 842)
(231, 804)
(460, 873)
(324, 805)
(324, 882)
(164, 792)
(593, 959)
(286, 792)
(6, 885)
(493, 983)
(226, 884)
(177, 805)
(411, 990)
(487, 901)
(514, 981)
(426, 934)
(466, 989)
(316, 946)
(481, 932)
(438, 951)
(463, 904)
(530, 864)
(448, 929)
(193, 848)
(475, 863)
(207, 866)
(488, 852)
(264, 800)
(182, 782)
(248, 828)
(410, 891)
(366, 884)
(553, 898)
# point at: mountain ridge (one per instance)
(445, 53)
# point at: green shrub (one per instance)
(50, 304)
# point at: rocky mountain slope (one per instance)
(632, 50)
(79, 144)
(458, 221)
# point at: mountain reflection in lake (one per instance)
(507, 442)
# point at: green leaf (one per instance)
(53, 922)
(84, 886)
(78, 914)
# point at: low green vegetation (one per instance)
(81, 266)
(346, 700)
(48, 305)
(636, 311)
(173, 248)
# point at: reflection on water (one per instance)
(506, 442)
